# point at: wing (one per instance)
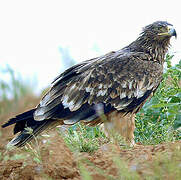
(120, 80)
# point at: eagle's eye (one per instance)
(166, 31)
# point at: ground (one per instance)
(50, 158)
(58, 162)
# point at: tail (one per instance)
(27, 126)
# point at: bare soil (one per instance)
(58, 162)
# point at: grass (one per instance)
(83, 139)
(160, 118)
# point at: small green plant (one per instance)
(83, 139)
(35, 152)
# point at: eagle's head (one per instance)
(159, 31)
(154, 40)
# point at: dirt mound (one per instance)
(56, 161)
(14, 169)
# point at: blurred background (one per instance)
(40, 38)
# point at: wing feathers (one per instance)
(119, 82)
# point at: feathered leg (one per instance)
(117, 123)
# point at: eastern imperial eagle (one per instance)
(116, 84)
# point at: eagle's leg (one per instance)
(117, 123)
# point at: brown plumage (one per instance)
(116, 84)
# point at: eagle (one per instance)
(107, 90)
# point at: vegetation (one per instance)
(84, 139)
(160, 118)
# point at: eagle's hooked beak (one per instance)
(171, 32)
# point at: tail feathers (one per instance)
(27, 126)
(21, 117)
(28, 134)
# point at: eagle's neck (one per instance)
(156, 50)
